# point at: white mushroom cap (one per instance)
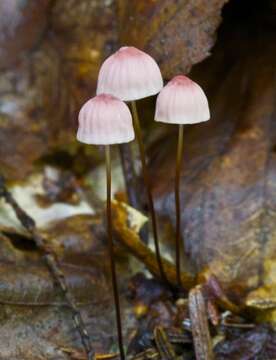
(182, 101)
(129, 74)
(105, 120)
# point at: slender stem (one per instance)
(177, 203)
(138, 134)
(130, 176)
(133, 184)
(129, 238)
(111, 252)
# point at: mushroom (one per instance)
(181, 101)
(106, 120)
(130, 74)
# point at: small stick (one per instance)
(111, 252)
(138, 133)
(29, 224)
(163, 344)
(149, 354)
(177, 203)
(214, 288)
(131, 240)
(200, 329)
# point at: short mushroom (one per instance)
(130, 74)
(106, 120)
(181, 101)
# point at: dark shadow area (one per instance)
(21, 242)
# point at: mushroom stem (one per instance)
(138, 133)
(111, 252)
(177, 204)
(130, 176)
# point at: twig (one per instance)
(29, 224)
(149, 354)
(215, 290)
(201, 335)
(163, 344)
(131, 240)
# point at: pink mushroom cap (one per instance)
(105, 120)
(182, 101)
(129, 74)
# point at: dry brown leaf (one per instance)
(42, 95)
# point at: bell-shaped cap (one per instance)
(182, 101)
(129, 74)
(105, 120)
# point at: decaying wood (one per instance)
(201, 335)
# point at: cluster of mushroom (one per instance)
(129, 75)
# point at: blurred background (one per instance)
(50, 55)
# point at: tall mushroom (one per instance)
(106, 120)
(181, 101)
(130, 74)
